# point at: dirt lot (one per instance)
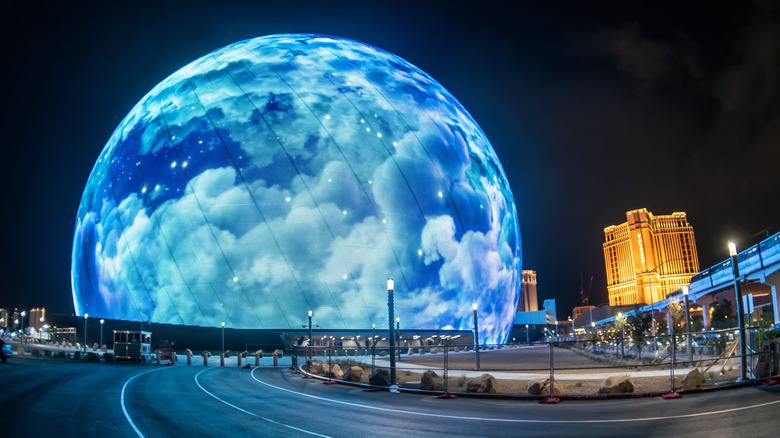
(536, 361)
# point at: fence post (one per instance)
(552, 374)
(671, 367)
(446, 367)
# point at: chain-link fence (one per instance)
(577, 367)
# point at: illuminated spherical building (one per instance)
(296, 172)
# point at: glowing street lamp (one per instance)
(476, 331)
(526, 335)
(223, 337)
(740, 311)
(391, 335)
(24, 313)
(398, 334)
(311, 342)
(688, 324)
(102, 321)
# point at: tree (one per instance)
(638, 326)
(723, 315)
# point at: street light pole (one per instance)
(398, 334)
(688, 324)
(86, 316)
(476, 331)
(391, 335)
(223, 337)
(24, 313)
(311, 342)
(102, 321)
(622, 335)
(526, 335)
(740, 311)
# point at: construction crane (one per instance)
(583, 294)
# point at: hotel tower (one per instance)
(648, 257)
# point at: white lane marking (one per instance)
(122, 400)
(514, 420)
(253, 414)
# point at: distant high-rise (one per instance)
(37, 318)
(528, 301)
(648, 257)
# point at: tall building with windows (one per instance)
(528, 302)
(648, 257)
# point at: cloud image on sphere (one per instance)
(293, 172)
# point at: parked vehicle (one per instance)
(6, 352)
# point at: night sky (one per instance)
(592, 111)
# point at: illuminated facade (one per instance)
(37, 317)
(648, 257)
(528, 301)
(294, 173)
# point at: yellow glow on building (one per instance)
(528, 302)
(648, 257)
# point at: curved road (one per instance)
(89, 399)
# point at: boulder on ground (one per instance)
(457, 349)
(335, 372)
(542, 387)
(380, 377)
(353, 374)
(383, 353)
(482, 384)
(434, 350)
(693, 379)
(410, 352)
(421, 351)
(431, 382)
(617, 385)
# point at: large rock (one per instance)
(542, 387)
(380, 377)
(335, 372)
(617, 385)
(353, 374)
(431, 382)
(482, 384)
(694, 379)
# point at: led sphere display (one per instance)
(298, 172)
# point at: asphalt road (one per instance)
(47, 398)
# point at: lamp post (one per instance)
(688, 324)
(311, 342)
(476, 330)
(740, 311)
(102, 321)
(556, 329)
(86, 317)
(391, 335)
(24, 313)
(398, 334)
(526, 335)
(223, 337)
(573, 331)
(373, 345)
(622, 335)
